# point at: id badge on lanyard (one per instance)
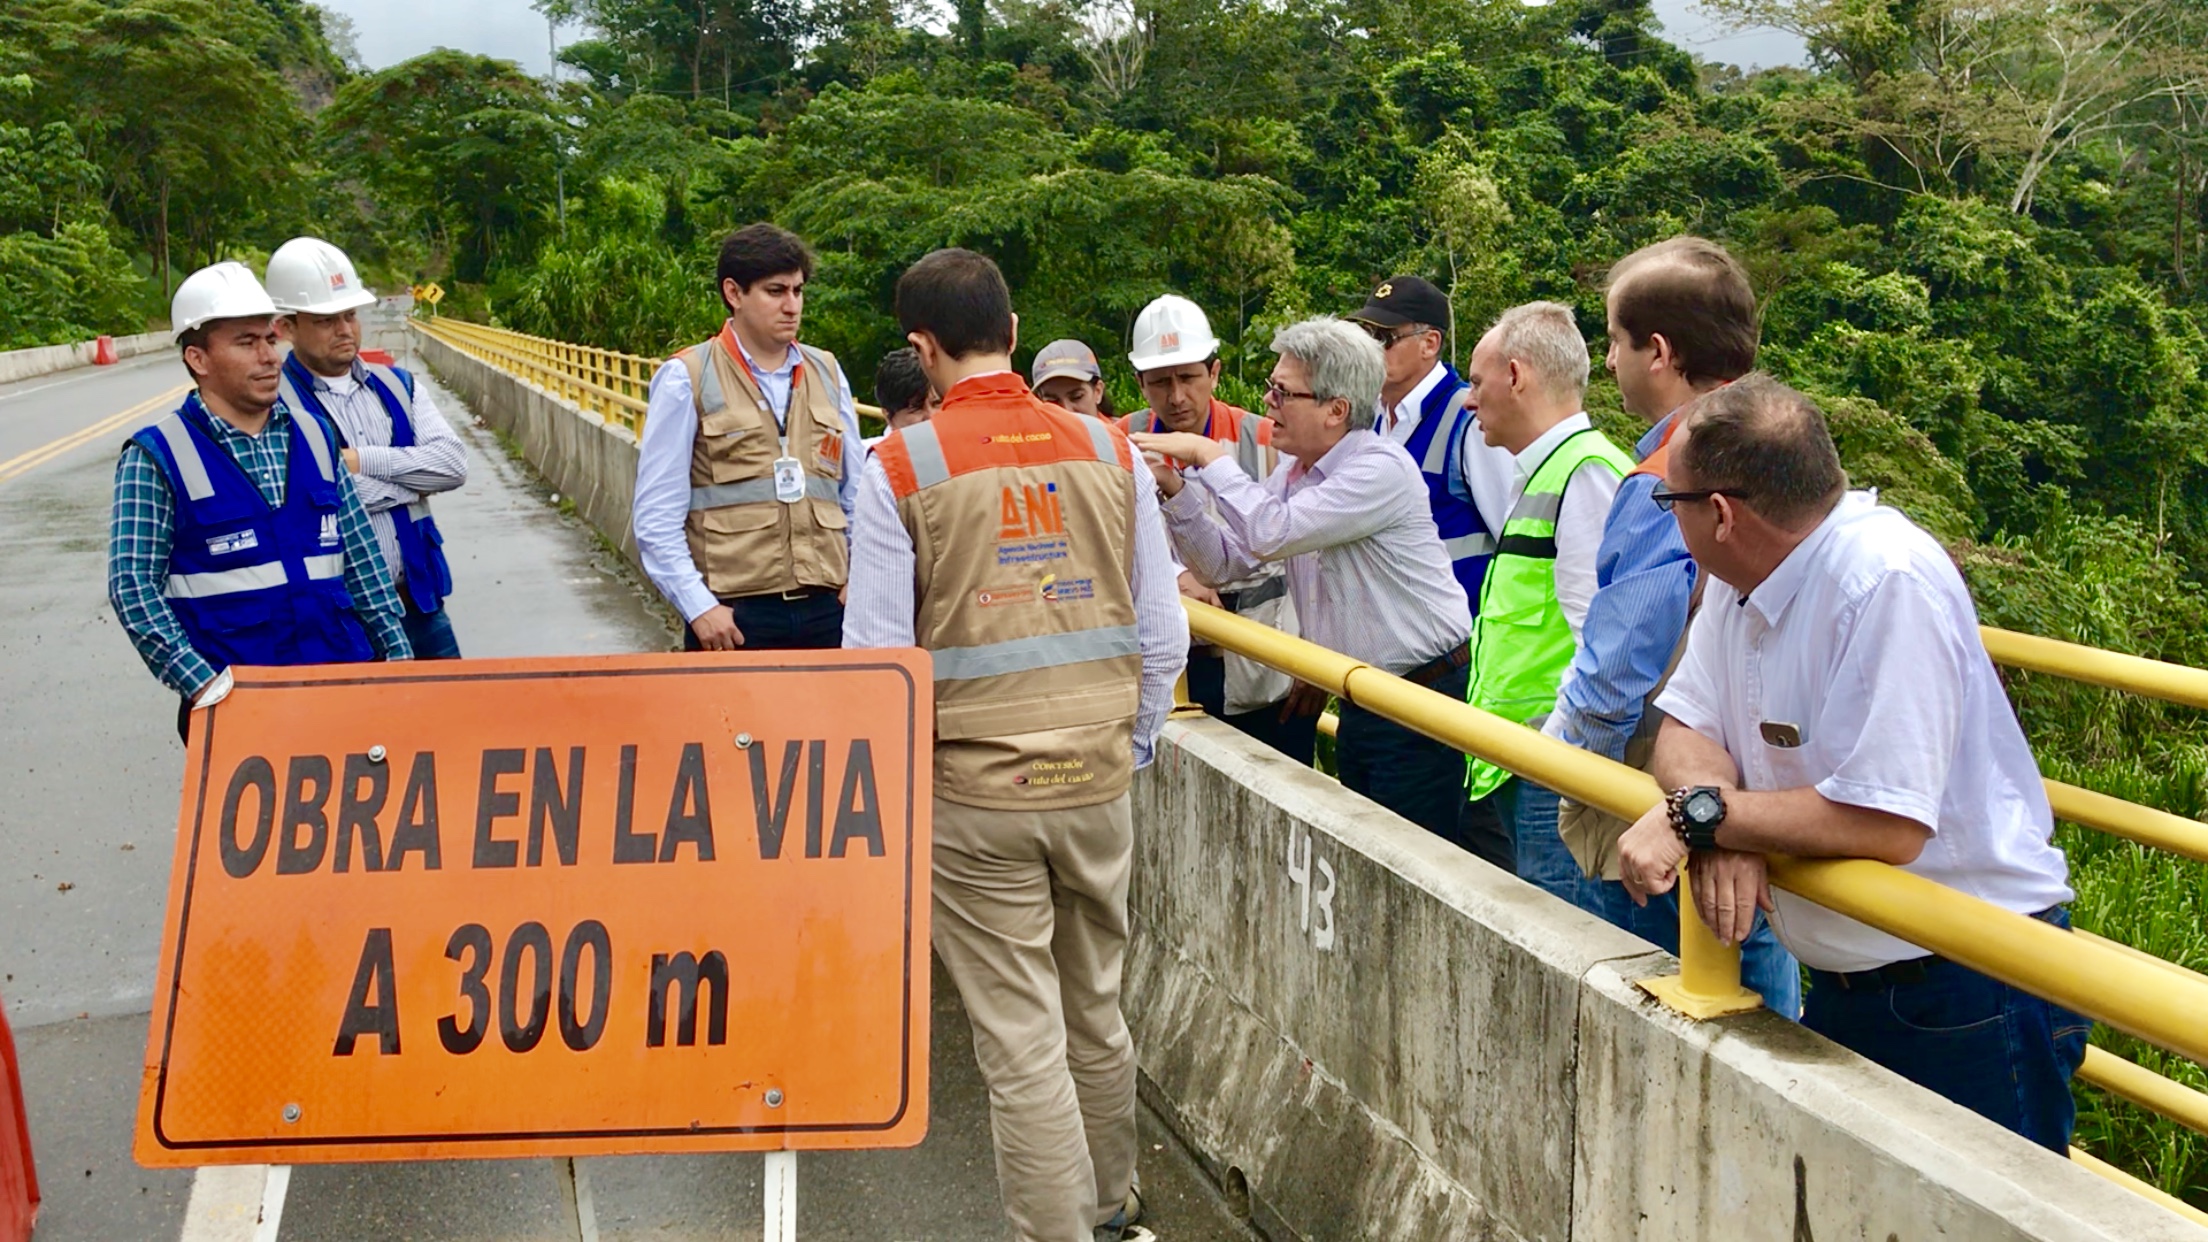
(789, 479)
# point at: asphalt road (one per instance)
(89, 773)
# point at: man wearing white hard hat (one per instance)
(1177, 358)
(237, 537)
(397, 446)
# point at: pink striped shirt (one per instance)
(1365, 565)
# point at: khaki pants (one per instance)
(1031, 923)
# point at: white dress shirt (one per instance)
(1486, 468)
(1366, 568)
(390, 478)
(1579, 521)
(662, 501)
(884, 589)
(1865, 642)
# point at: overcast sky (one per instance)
(393, 30)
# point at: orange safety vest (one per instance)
(742, 539)
(1022, 524)
(1250, 434)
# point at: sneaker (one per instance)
(1133, 1208)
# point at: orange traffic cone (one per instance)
(103, 352)
(18, 1173)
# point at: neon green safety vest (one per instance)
(1521, 643)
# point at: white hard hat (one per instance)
(311, 275)
(223, 291)
(1172, 331)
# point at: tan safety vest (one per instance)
(1022, 525)
(742, 539)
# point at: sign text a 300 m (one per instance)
(546, 907)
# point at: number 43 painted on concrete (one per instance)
(1321, 895)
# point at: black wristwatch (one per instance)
(1696, 811)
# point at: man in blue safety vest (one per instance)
(1424, 407)
(237, 537)
(398, 448)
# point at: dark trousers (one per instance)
(2001, 1053)
(813, 618)
(1407, 772)
(430, 634)
(1296, 737)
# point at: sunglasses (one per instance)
(1665, 500)
(1388, 340)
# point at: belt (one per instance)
(1899, 974)
(1263, 593)
(1458, 657)
(803, 592)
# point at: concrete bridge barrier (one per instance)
(588, 460)
(20, 364)
(1364, 1033)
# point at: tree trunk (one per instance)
(161, 242)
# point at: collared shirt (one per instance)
(662, 502)
(1579, 520)
(883, 593)
(1484, 469)
(143, 528)
(1864, 641)
(391, 478)
(1644, 588)
(1366, 567)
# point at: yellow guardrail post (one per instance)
(1708, 985)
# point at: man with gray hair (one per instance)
(1528, 375)
(1366, 567)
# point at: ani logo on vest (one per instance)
(330, 536)
(1032, 527)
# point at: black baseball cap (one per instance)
(1405, 299)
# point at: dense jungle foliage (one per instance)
(1977, 227)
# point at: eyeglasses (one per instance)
(1665, 500)
(1276, 395)
(1388, 340)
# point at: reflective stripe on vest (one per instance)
(710, 398)
(1457, 520)
(1522, 644)
(752, 491)
(252, 578)
(1023, 655)
(197, 486)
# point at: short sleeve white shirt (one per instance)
(1864, 643)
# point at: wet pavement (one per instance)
(89, 772)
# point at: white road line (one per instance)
(236, 1203)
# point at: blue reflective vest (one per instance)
(251, 584)
(428, 578)
(1437, 446)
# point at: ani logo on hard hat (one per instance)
(1169, 340)
(337, 281)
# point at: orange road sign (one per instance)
(548, 907)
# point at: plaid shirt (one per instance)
(143, 525)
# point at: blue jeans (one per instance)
(2003, 1054)
(1766, 968)
(430, 634)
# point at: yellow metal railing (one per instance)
(2145, 996)
(605, 382)
(2157, 1001)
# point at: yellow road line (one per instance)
(39, 456)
